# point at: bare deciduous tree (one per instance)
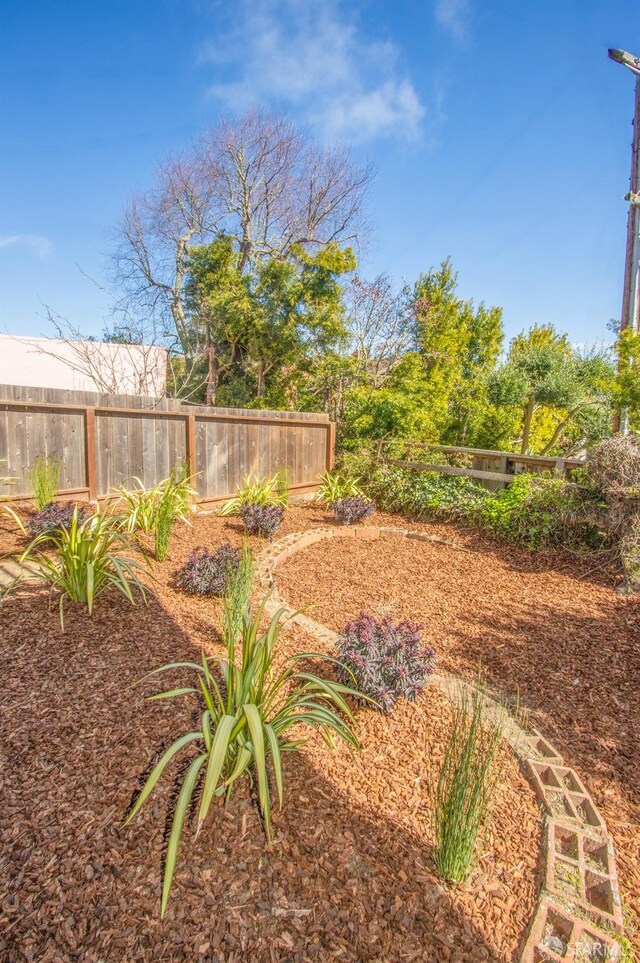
(378, 323)
(259, 180)
(126, 363)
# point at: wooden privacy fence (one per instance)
(494, 469)
(104, 440)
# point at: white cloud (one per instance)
(313, 58)
(453, 16)
(41, 246)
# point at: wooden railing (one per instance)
(493, 468)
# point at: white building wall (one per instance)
(83, 365)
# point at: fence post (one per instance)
(331, 446)
(191, 442)
(90, 452)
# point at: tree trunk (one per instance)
(212, 376)
(526, 427)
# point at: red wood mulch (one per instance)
(349, 875)
(545, 626)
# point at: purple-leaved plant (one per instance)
(54, 516)
(387, 659)
(353, 509)
(207, 573)
(262, 520)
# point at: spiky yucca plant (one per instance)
(82, 561)
(248, 712)
(257, 491)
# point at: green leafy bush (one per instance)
(424, 494)
(82, 561)
(533, 510)
(465, 786)
(247, 712)
(539, 511)
(45, 479)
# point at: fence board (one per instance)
(147, 437)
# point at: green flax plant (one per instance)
(466, 784)
(45, 479)
(248, 709)
(82, 561)
(258, 491)
(140, 508)
(334, 487)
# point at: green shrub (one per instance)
(465, 786)
(533, 510)
(539, 511)
(257, 491)
(82, 561)
(424, 494)
(45, 479)
(247, 715)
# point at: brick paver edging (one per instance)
(579, 911)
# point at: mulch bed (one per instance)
(545, 627)
(349, 875)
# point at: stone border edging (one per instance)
(580, 894)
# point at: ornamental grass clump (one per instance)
(259, 491)
(141, 508)
(264, 520)
(334, 486)
(387, 660)
(82, 561)
(56, 515)
(45, 479)
(208, 573)
(248, 707)
(466, 785)
(353, 509)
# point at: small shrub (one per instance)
(334, 486)
(466, 785)
(248, 712)
(257, 491)
(387, 660)
(208, 573)
(262, 520)
(45, 479)
(82, 561)
(353, 509)
(539, 511)
(55, 515)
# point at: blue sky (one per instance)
(499, 130)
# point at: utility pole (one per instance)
(630, 317)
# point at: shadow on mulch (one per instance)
(540, 626)
(77, 737)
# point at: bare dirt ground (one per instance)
(349, 875)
